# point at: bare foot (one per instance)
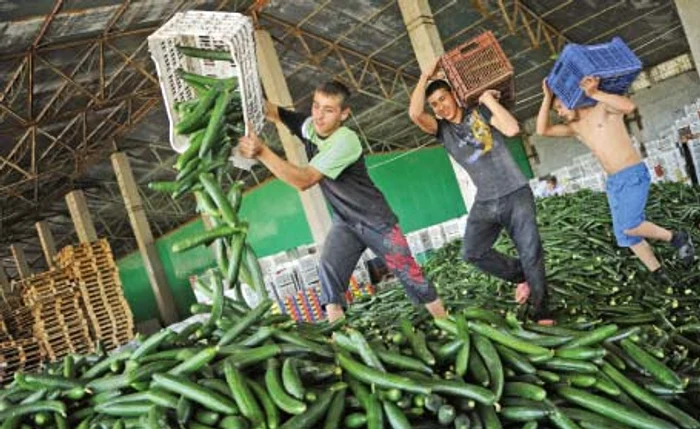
(546, 322)
(334, 312)
(522, 292)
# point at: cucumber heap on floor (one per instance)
(624, 354)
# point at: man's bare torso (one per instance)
(605, 134)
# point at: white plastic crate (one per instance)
(307, 249)
(665, 144)
(415, 243)
(695, 127)
(534, 185)
(694, 146)
(287, 290)
(361, 275)
(308, 263)
(436, 236)
(307, 277)
(667, 166)
(280, 258)
(463, 223)
(232, 32)
(452, 230)
(368, 255)
(267, 265)
(595, 182)
(692, 109)
(285, 275)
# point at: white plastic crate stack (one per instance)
(566, 175)
(694, 146)
(367, 255)
(693, 109)
(436, 236)
(452, 230)
(667, 166)
(307, 249)
(415, 242)
(588, 164)
(285, 280)
(534, 185)
(267, 265)
(662, 145)
(595, 182)
(307, 269)
(232, 32)
(463, 223)
(361, 273)
(281, 258)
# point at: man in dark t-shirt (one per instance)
(474, 137)
(361, 215)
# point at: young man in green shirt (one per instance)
(361, 215)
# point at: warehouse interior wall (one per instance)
(420, 186)
(659, 106)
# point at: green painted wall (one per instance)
(178, 268)
(420, 186)
(276, 218)
(517, 149)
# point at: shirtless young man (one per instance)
(602, 129)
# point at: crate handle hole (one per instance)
(557, 68)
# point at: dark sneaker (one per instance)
(684, 246)
(661, 278)
(542, 315)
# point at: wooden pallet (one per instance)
(19, 322)
(46, 285)
(20, 355)
(61, 342)
(70, 255)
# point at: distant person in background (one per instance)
(602, 129)
(361, 215)
(474, 137)
(553, 188)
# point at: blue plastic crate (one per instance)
(613, 62)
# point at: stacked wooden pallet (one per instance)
(18, 322)
(58, 319)
(92, 267)
(61, 326)
(44, 286)
(19, 355)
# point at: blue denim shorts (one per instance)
(627, 196)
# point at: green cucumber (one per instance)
(315, 412)
(196, 393)
(291, 379)
(506, 339)
(594, 337)
(242, 394)
(395, 416)
(335, 411)
(612, 410)
(525, 390)
(493, 364)
(273, 383)
(657, 369)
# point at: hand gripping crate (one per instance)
(614, 63)
(476, 66)
(232, 32)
